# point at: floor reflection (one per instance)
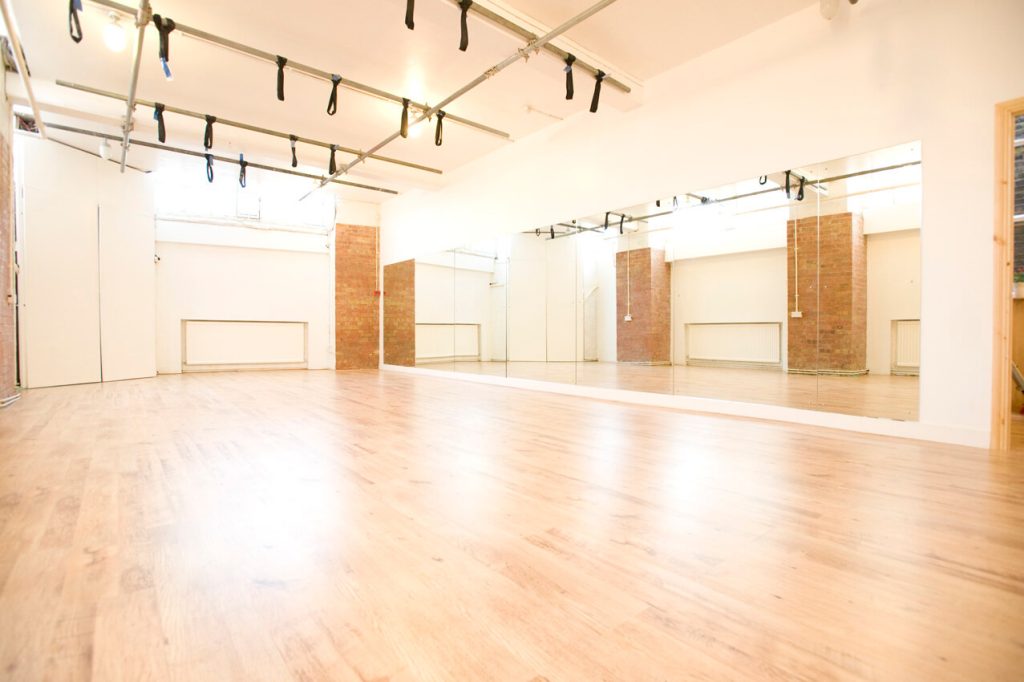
(870, 395)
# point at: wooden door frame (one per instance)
(1006, 113)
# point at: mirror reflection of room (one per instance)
(805, 297)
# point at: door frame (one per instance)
(1006, 114)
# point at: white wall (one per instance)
(448, 295)
(868, 80)
(738, 287)
(894, 290)
(220, 282)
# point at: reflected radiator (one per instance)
(734, 344)
(906, 347)
(437, 342)
(215, 345)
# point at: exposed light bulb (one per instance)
(114, 36)
(829, 9)
(416, 129)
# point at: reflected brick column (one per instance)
(356, 321)
(647, 338)
(831, 337)
(400, 313)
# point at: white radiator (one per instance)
(436, 342)
(754, 344)
(906, 346)
(211, 345)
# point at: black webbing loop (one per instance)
(800, 192)
(281, 61)
(208, 135)
(405, 117)
(570, 88)
(242, 163)
(410, 9)
(74, 24)
(788, 195)
(439, 132)
(158, 115)
(209, 167)
(596, 101)
(763, 180)
(332, 168)
(332, 103)
(164, 27)
(295, 159)
(464, 5)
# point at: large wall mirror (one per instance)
(798, 288)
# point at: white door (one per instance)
(59, 289)
(127, 293)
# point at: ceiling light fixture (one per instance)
(114, 36)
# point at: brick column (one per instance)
(356, 321)
(831, 336)
(647, 338)
(8, 353)
(400, 313)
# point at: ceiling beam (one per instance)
(486, 75)
(304, 69)
(142, 18)
(224, 159)
(245, 126)
(512, 27)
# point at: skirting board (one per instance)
(936, 433)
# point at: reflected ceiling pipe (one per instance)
(243, 126)
(310, 71)
(214, 157)
(521, 53)
(14, 35)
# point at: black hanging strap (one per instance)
(439, 132)
(281, 61)
(164, 27)
(596, 101)
(763, 180)
(295, 159)
(242, 163)
(332, 168)
(410, 9)
(788, 195)
(464, 5)
(332, 103)
(405, 117)
(800, 192)
(209, 167)
(570, 90)
(158, 115)
(74, 24)
(208, 135)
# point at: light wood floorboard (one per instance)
(383, 526)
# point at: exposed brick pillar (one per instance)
(400, 313)
(356, 313)
(831, 336)
(7, 337)
(647, 338)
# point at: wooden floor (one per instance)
(384, 526)
(870, 395)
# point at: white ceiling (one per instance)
(368, 42)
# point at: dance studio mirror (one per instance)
(798, 288)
